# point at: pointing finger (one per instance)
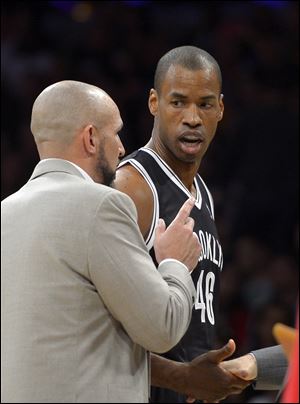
(185, 211)
(190, 223)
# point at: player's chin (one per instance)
(190, 157)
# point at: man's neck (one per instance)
(185, 171)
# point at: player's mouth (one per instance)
(191, 142)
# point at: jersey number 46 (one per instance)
(205, 295)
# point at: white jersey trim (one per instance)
(150, 238)
(211, 201)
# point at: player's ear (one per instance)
(221, 105)
(153, 101)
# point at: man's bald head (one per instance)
(64, 108)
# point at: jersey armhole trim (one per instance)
(210, 198)
(150, 237)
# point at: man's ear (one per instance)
(89, 139)
(153, 101)
(221, 104)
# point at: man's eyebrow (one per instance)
(177, 95)
(208, 97)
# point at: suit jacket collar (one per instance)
(55, 165)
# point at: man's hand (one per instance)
(178, 241)
(244, 367)
(209, 380)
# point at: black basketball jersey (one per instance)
(169, 193)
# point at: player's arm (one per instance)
(132, 183)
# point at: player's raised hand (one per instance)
(178, 241)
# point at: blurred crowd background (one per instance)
(251, 167)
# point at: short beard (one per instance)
(103, 170)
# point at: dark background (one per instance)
(251, 167)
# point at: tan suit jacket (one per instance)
(81, 300)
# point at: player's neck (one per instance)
(185, 171)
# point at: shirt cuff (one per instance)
(174, 260)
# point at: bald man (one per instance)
(81, 300)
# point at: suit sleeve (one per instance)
(271, 368)
(153, 306)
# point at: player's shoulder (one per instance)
(131, 181)
(128, 173)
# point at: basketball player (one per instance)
(187, 105)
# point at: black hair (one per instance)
(190, 57)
